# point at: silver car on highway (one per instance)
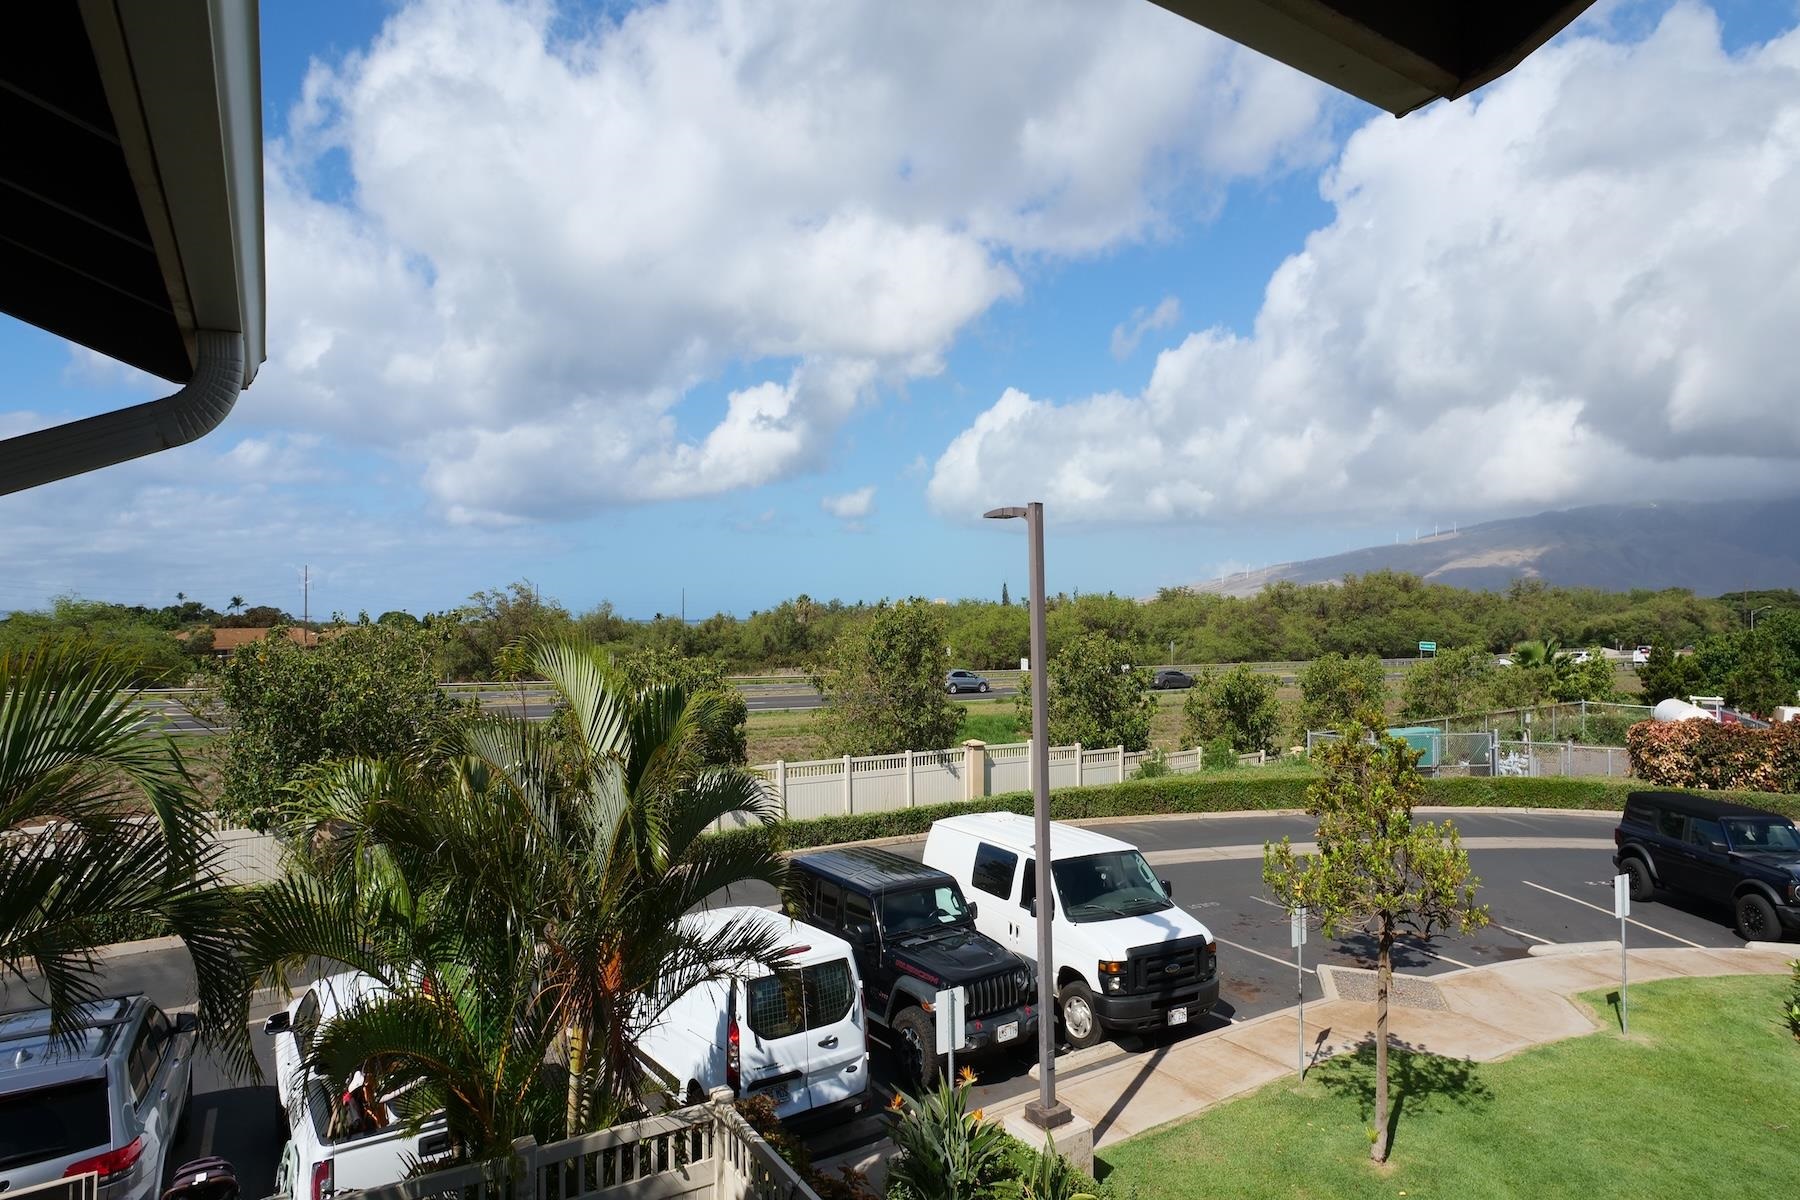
(109, 1097)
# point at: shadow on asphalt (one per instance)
(242, 1125)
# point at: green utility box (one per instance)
(1424, 738)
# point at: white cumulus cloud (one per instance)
(507, 243)
(1127, 334)
(1580, 286)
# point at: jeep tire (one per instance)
(1080, 1016)
(1756, 920)
(1642, 886)
(915, 1042)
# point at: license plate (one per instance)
(779, 1094)
(1007, 1032)
(1178, 1016)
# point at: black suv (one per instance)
(1714, 850)
(915, 934)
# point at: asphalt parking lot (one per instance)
(1546, 877)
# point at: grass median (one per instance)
(1701, 1101)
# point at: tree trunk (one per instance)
(578, 1042)
(1378, 1149)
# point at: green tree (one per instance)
(1763, 677)
(884, 681)
(726, 741)
(1590, 680)
(1005, 596)
(124, 843)
(368, 690)
(1375, 870)
(1334, 688)
(1239, 704)
(531, 883)
(1665, 675)
(1454, 681)
(491, 621)
(1094, 699)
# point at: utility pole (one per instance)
(305, 596)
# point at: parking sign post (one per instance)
(947, 1016)
(1622, 909)
(1297, 936)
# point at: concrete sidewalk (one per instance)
(1482, 1013)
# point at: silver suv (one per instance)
(110, 1097)
(964, 681)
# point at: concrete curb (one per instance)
(132, 949)
(1552, 949)
(1774, 947)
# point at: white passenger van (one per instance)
(1126, 956)
(799, 1041)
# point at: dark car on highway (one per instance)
(1717, 851)
(1169, 679)
(964, 681)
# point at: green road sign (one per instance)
(1427, 647)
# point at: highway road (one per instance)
(1546, 877)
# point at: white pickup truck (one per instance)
(1126, 956)
(325, 1153)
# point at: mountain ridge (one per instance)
(1709, 547)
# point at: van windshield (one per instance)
(1761, 834)
(1102, 887)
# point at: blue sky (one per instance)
(754, 300)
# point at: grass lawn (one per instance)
(795, 735)
(1704, 1100)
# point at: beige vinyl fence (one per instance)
(882, 782)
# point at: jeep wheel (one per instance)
(1081, 1023)
(1641, 886)
(1756, 920)
(915, 1041)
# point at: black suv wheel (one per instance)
(1756, 920)
(1642, 887)
(915, 1041)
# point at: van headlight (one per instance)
(1112, 975)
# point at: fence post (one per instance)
(849, 801)
(974, 769)
(1121, 753)
(909, 779)
(1080, 777)
(781, 784)
(1030, 768)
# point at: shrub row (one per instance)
(1258, 790)
(1710, 755)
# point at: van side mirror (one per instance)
(277, 1022)
(1168, 888)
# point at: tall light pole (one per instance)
(1044, 1112)
(1754, 611)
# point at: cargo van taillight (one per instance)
(321, 1180)
(733, 1051)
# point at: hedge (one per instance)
(1708, 754)
(1248, 790)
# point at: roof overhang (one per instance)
(131, 193)
(1396, 54)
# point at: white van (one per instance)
(1127, 957)
(799, 1041)
(327, 1150)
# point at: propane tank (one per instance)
(1680, 710)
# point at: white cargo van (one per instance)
(327, 1151)
(1127, 957)
(799, 1040)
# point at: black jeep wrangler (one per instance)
(915, 934)
(1714, 850)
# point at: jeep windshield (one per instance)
(1751, 833)
(923, 910)
(1103, 887)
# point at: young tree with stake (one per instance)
(1375, 870)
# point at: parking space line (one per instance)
(1247, 950)
(1424, 949)
(1651, 928)
(1521, 933)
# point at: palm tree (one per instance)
(523, 893)
(236, 603)
(119, 839)
(1545, 653)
